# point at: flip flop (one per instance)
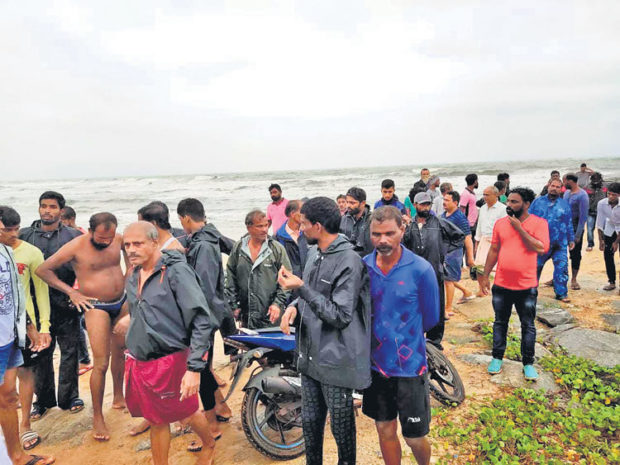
(575, 287)
(38, 460)
(84, 370)
(28, 436)
(464, 300)
(38, 412)
(77, 405)
(194, 447)
(222, 419)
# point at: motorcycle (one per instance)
(271, 408)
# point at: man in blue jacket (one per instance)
(557, 212)
(405, 304)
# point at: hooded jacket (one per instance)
(253, 287)
(437, 238)
(393, 202)
(49, 242)
(297, 251)
(333, 317)
(18, 295)
(170, 314)
(358, 232)
(205, 257)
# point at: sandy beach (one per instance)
(68, 436)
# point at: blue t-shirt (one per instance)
(460, 221)
(558, 216)
(405, 304)
(7, 303)
(579, 204)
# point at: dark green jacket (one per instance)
(253, 287)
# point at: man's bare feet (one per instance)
(119, 403)
(143, 427)
(206, 457)
(100, 430)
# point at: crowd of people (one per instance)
(364, 289)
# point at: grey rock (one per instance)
(512, 374)
(143, 445)
(613, 320)
(541, 351)
(601, 347)
(554, 316)
(59, 426)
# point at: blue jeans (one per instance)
(525, 304)
(557, 253)
(591, 225)
(10, 357)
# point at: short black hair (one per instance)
(274, 186)
(583, 165)
(192, 208)
(388, 184)
(67, 213)
(614, 187)
(415, 190)
(500, 185)
(323, 210)
(554, 172)
(58, 197)
(357, 193)
(9, 216)
(252, 215)
(154, 212)
(470, 179)
(527, 194)
(293, 206)
(455, 196)
(503, 176)
(106, 219)
(571, 177)
(387, 213)
(341, 196)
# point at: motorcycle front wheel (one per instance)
(272, 424)
(445, 383)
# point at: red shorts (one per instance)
(153, 388)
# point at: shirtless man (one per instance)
(96, 260)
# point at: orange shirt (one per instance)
(516, 264)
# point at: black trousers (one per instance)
(435, 335)
(575, 254)
(608, 254)
(64, 331)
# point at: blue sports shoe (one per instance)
(530, 373)
(495, 367)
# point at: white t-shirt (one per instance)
(487, 218)
(8, 301)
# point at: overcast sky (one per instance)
(99, 88)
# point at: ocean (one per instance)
(228, 197)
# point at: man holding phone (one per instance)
(517, 241)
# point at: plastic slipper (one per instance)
(77, 405)
(464, 300)
(38, 460)
(222, 419)
(29, 436)
(84, 370)
(575, 287)
(38, 412)
(195, 447)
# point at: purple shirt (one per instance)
(275, 213)
(468, 201)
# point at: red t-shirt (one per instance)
(516, 264)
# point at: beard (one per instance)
(424, 213)
(354, 211)
(515, 213)
(312, 240)
(275, 198)
(98, 245)
(48, 222)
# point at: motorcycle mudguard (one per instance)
(242, 364)
(257, 381)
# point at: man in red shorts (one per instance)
(167, 341)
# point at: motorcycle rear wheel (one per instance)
(445, 383)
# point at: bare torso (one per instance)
(99, 271)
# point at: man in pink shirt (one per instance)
(517, 241)
(468, 200)
(276, 209)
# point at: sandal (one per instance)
(38, 460)
(609, 287)
(464, 299)
(222, 419)
(77, 405)
(28, 437)
(575, 287)
(196, 446)
(38, 412)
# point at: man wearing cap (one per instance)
(432, 238)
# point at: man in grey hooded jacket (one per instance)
(332, 316)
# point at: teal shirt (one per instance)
(409, 206)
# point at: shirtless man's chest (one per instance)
(99, 271)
